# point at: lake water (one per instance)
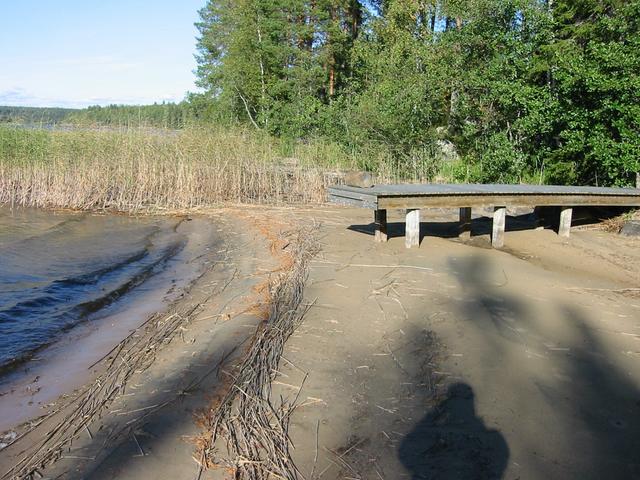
(58, 270)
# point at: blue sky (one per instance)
(75, 53)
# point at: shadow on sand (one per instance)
(545, 217)
(451, 442)
(591, 412)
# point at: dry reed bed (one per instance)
(137, 170)
(134, 170)
(143, 186)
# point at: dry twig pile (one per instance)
(252, 423)
(133, 355)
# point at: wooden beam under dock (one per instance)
(380, 220)
(412, 234)
(499, 222)
(465, 223)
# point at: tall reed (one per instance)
(152, 170)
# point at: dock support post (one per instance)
(565, 221)
(465, 223)
(412, 228)
(380, 219)
(499, 221)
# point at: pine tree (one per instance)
(595, 58)
(264, 59)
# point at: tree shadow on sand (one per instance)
(589, 406)
(451, 442)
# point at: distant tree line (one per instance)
(34, 115)
(520, 90)
(165, 115)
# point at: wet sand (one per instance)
(452, 360)
(66, 365)
(216, 320)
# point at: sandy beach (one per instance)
(460, 361)
(320, 240)
(453, 360)
(208, 321)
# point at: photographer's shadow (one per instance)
(451, 442)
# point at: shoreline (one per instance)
(28, 389)
(223, 307)
(73, 258)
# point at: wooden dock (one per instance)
(412, 198)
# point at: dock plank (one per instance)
(475, 195)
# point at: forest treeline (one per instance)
(518, 90)
(164, 115)
(34, 115)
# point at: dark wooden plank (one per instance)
(358, 194)
(369, 202)
(482, 189)
(380, 220)
(465, 223)
(487, 200)
(347, 202)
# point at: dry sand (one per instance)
(448, 361)
(458, 361)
